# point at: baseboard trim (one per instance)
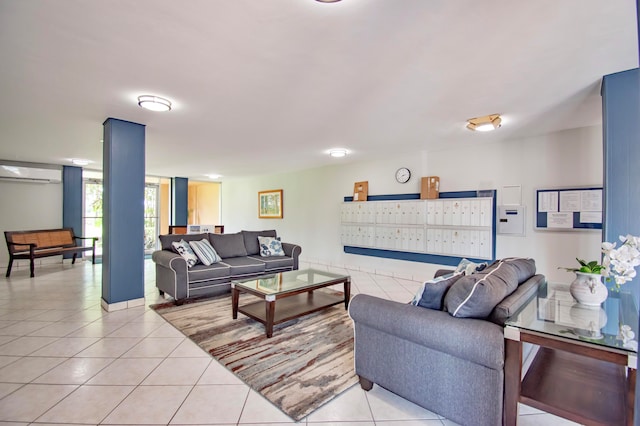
(111, 307)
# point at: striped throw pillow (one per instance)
(205, 251)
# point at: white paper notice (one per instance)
(569, 201)
(560, 220)
(547, 201)
(590, 217)
(591, 201)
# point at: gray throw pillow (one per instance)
(431, 293)
(525, 267)
(475, 296)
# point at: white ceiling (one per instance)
(258, 83)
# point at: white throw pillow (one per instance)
(270, 246)
(205, 252)
(183, 249)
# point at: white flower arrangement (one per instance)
(620, 263)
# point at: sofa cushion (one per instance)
(201, 272)
(270, 246)
(510, 304)
(243, 266)
(251, 239)
(204, 251)
(228, 245)
(476, 295)
(431, 293)
(183, 249)
(275, 263)
(525, 267)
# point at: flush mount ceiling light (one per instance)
(338, 152)
(154, 103)
(484, 124)
(80, 161)
(327, 1)
(214, 176)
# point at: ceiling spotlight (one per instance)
(338, 152)
(154, 103)
(484, 124)
(80, 161)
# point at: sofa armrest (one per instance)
(170, 260)
(478, 341)
(293, 251)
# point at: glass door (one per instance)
(151, 217)
(92, 212)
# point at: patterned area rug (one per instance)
(306, 363)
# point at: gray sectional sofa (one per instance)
(240, 255)
(451, 366)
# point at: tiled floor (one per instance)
(63, 360)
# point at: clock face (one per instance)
(403, 175)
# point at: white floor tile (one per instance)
(216, 374)
(87, 404)
(74, 371)
(352, 406)
(58, 329)
(150, 404)
(258, 409)
(154, 347)
(188, 349)
(25, 345)
(31, 401)
(7, 388)
(23, 328)
(27, 369)
(178, 371)
(66, 346)
(108, 347)
(206, 402)
(126, 371)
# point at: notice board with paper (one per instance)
(569, 209)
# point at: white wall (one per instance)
(26, 205)
(312, 198)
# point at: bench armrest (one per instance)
(87, 238)
(475, 340)
(22, 244)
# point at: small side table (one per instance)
(584, 370)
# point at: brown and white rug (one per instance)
(306, 363)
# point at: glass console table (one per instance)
(585, 368)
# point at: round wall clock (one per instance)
(403, 175)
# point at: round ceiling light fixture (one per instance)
(484, 124)
(338, 152)
(214, 176)
(154, 103)
(327, 1)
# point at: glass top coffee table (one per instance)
(288, 295)
(585, 368)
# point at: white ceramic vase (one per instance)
(588, 289)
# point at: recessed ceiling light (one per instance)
(80, 161)
(154, 103)
(338, 152)
(484, 124)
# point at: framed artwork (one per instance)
(270, 204)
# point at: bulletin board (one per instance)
(569, 209)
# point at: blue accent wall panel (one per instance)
(123, 211)
(621, 127)
(72, 201)
(180, 201)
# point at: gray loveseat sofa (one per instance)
(240, 255)
(451, 366)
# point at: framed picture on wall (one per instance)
(270, 204)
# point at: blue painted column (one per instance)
(621, 127)
(180, 201)
(72, 201)
(123, 215)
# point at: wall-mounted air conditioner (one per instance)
(29, 174)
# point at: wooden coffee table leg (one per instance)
(347, 292)
(235, 297)
(271, 308)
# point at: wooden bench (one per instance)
(43, 243)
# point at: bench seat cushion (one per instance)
(243, 266)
